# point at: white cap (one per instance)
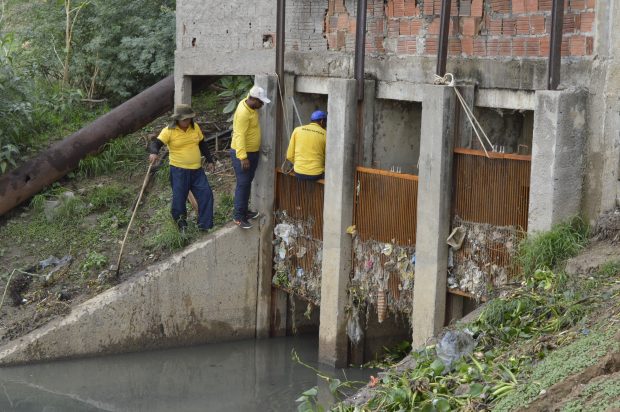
(259, 93)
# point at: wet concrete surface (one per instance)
(232, 376)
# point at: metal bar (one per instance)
(555, 45)
(360, 47)
(280, 37)
(444, 31)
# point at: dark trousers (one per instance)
(184, 180)
(300, 176)
(244, 183)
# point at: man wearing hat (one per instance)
(244, 152)
(186, 144)
(306, 150)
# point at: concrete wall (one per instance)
(206, 293)
(396, 140)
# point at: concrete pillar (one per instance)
(263, 190)
(289, 113)
(434, 193)
(464, 129)
(182, 89)
(557, 157)
(369, 122)
(337, 216)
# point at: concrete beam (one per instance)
(506, 99)
(405, 91)
(557, 158)
(434, 197)
(337, 216)
(263, 192)
(312, 84)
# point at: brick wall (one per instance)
(481, 28)
(305, 25)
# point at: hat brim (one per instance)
(184, 116)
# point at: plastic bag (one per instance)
(454, 345)
(354, 328)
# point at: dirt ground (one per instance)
(93, 241)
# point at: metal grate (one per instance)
(301, 200)
(386, 206)
(494, 191)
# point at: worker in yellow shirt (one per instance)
(244, 152)
(306, 150)
(186, 144)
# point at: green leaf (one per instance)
(232, 105)
(442, 405)
(334, 385)
(311, 392)
(475, 390)
(437, 366)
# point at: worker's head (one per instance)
(319, 117)
(257, 97)
(183, 115)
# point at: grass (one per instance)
(548, 249)
(119, 154)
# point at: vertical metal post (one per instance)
(444, 31)
(360, 53)
(280, 30)
(555, 45)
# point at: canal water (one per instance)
(234, 376)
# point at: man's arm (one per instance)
(153, 148)
(290, 153)
(204, 150)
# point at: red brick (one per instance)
(352, 25)
(577, 5)
(509, 27)
(577, 45)
(467, 45)
(518, 6)
(480, 47)
(389, 12)
(404, 28)
(465, 8)
(393, 28)
(537, 24)
(519, 47)
(526, 47)
(505, 47)
(470, 26)
(493, 47)
(416, 26)
(380, 26)
(432, 43)
(523, 25)
(591, 4)
(428, 8)
(454, 47)
(587, 22)
(477, 8)
(437, 5)
(500, 6)
(343, 22)
(411, 8)
(544, 47)
(531, 5)
(379, 44)
(454, 27)
(434, 26)
(545, 5)
(565, 50)
(589, 45)
(399, 8)
(339, 6)
(571, 23)
(454, 8)
(494, 27)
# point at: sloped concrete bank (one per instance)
(206, 293)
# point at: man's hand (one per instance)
(245, 164)
(153, 158)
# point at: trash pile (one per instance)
(297, 258)
(383, 276)
(485, 258)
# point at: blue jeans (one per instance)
(300, 176)
(244, 183)
(184, 180)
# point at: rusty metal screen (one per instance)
(386, 206)
(301, 200)
(491, 190)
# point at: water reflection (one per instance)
(237, 376)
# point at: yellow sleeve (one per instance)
(241, 125)
(290, 153)
(200, 135)
(164, 136)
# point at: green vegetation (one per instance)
(522, 341)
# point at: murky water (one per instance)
(237, 376)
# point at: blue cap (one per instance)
(318, 115)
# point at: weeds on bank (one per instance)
(118, 154)
(546, 303)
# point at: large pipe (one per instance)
(555, 45)
(444, 32)
(360, 54)
(49, 166)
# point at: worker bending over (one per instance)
(306, 150)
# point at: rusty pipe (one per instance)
(444, 32)
(555, 45)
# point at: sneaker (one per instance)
(182, 225)
(251, 215)
(243, 224)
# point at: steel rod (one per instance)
(555, 45)
(444, 31)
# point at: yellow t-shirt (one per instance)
(246, 131)
(306, 149)
(183, 146)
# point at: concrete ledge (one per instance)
(206, 293)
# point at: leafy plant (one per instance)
(8, 155)
(109, 196)
(94, 260)
(235, 88)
